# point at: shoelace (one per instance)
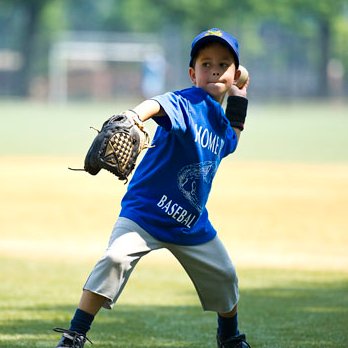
(75, 336)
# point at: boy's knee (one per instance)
(117, 260)
(230, 276)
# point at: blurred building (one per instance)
(102, 66)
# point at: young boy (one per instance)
(165, 204)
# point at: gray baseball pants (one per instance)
(208, 265)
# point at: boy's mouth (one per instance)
(219, 80)
(215, 83)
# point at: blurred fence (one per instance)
(102, 66)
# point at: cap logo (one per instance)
(213, 32)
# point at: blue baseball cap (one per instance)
(217, 35)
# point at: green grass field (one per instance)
(278, 308)
(280, 205)
(315, 132)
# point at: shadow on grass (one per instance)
(299, 316)
(126, 326)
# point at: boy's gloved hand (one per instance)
(117, 145)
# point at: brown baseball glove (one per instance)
(117, 145)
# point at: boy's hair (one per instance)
(203, 39)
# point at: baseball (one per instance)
(243, 77)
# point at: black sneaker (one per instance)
(233, 342)
(71, 339)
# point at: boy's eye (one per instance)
(206, 64)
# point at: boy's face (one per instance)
(214, 70)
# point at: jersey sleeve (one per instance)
(231, 141)
(176, 110)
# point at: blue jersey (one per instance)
(169, 190)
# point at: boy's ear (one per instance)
(192, 75)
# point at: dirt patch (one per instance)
(268, 214)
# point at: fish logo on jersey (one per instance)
(194, 180)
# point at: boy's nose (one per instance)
(216, 74)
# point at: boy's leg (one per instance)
(213, 274)
(128, 243)
(91, 302)
(228, 324)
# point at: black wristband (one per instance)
(236, 111)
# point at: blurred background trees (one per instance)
(293, 48)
